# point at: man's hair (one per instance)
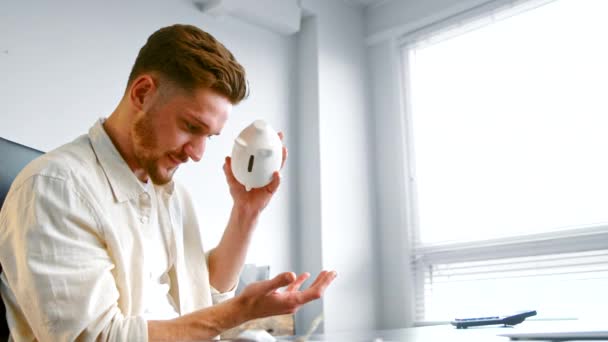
(191, 58)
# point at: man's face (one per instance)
(175, 126)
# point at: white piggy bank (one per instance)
(256, 155)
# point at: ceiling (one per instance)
(365, 3)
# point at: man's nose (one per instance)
(195, 148)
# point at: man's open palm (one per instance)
(264, 298)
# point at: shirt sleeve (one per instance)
(217, 296)
(56, 264)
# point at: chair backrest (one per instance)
(13, 157)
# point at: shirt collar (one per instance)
(125, 185)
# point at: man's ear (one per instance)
(141, 91)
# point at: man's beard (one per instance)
(147, 153)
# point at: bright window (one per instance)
(509, 146)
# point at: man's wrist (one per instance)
(202, 324)
(245, 213)
(228, 314)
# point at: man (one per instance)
(98, 243)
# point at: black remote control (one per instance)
(515, 318)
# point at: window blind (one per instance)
(565, 285)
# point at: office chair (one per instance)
(13, 157)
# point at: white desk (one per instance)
(446, 333)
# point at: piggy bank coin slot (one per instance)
(250, 167)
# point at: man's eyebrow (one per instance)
(201, 122)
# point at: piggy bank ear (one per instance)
(265, 152)
(240, 142)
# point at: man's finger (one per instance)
(227, 167)
(284, 156)
(316, 291)
(281, 280)
(228, 170)
(281, 136)
(274, 184)
(320, 278)
(299, 281)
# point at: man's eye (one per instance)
(191, 127)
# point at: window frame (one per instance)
(421, 257)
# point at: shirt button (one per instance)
(144, 219)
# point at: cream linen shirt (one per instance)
(71, 245)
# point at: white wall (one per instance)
(63, 64)
(396, 297)
(308, 244)
(339, 233)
